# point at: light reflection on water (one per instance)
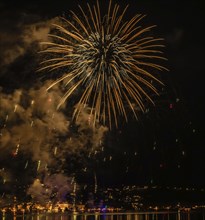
(114, 216)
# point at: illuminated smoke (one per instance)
(35, 137)
(32, 127)
(52, 188)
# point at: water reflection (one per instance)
(109, 216)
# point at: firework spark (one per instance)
(109, 59)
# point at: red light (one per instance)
(14, 154)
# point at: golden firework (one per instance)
(108, 60)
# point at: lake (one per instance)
(112, 216)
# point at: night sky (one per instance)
(164, 147)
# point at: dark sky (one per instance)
(166, 145)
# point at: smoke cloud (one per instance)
(53, 188)
(34, 135)
(32, 125)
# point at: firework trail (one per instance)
(107, 60)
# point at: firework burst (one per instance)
(109, 59)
